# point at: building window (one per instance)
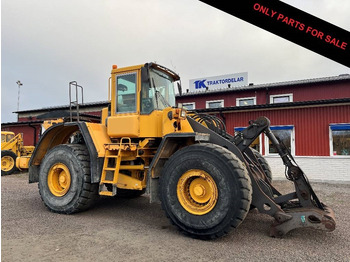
(256, 143)
(285, 98)
(339, 139)
(189, 106)
(246, 101)
(126, 93)
(215, 104)
(285, 134)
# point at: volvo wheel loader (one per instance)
(206, 179)
(14, 155)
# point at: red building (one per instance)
(30, 121)
(312, 117)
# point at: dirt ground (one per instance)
(134, 230)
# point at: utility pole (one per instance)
(19, 85)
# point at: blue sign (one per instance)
(219, 82)
(200, 84)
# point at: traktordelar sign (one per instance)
(219, 82)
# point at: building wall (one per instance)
(304, 92)
(321, 169)
(32, 117)
(312, 144)
(314, 92)
(31, 134)
(311, 124)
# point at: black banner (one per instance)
(292, 24)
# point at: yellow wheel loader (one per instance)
(14, 155)
(206, 180)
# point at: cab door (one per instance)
(125, 110)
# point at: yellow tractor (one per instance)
(12, 151)
(206, 180)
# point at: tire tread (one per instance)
(89, 192)
(244, 186)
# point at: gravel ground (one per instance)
(134, 230)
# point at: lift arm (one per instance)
(301, 208)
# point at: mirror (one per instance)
(179, 88)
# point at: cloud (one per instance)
(47, 44)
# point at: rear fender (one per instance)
(60, 134)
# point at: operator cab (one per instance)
(139, 96)
(6, 136)
(156, 92)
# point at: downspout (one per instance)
(223, 117)
(30, 125)
(267, 96)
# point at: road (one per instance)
(134, 230)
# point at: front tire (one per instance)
(64, 179)
(205, 190)
(8, 162)
(264, 164)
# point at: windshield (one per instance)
(159, 94)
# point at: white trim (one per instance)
(292, 143)
(281, 95)
(245, 98)
(214, 101)
(189, 103)
(331, 149)
(330, 141)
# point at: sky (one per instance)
(48, 43)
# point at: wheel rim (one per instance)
(7, 163)
(59, 179)
(197, 192)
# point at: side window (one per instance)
(126, 93)
(215, 104)
(147, 102)
(189, 106)
(3, 138)
(340, 139)
(246, 101)
(285, 98)
(286, 135)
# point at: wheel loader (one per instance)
(14, 155)
(206, 179)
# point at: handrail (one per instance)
(76, 102)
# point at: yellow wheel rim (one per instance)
(197, 192)
(59, 179)
(7, 163)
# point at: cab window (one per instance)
(126, 93)
(9, 137)
(147, 102)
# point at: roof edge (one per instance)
(278, 105)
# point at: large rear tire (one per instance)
(64, 179)
(205, 190)
(8, 162)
